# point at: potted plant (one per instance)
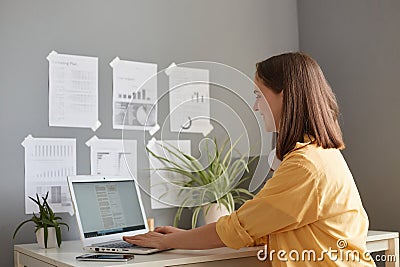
(222, 175)
(48, 231)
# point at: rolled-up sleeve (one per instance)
(232, 234)
(289, 200)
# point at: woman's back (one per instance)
(341, 223)
(309, 209)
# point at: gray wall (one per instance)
(357, 44)
(237, 33)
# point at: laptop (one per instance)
(108, 208)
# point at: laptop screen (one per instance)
(108, 207)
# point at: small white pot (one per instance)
(214, 212)
(51, 239)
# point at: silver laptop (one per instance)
(106, 209)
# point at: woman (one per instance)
(311, 203)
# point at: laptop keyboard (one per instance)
(121, 244)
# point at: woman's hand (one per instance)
(150, 240)
(168, 230)
(167, 237)
(156, 239)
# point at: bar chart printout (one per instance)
(134, 95)
(48, 162)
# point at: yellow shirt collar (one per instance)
(307, 139)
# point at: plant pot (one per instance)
(214, 212)
(51, 239)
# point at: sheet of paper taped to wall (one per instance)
(134, 95)
(114, 157)
(48, 162)
(73, 91)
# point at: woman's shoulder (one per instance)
(311, 157)
(297, 170)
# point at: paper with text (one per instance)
(134, 95)
(110, 206)
(73, 91)
(48, 162)
(113, 157)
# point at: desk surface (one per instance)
(379, 235)
(65, 256)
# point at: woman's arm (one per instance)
(204, 237)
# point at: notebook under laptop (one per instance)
(106, 209)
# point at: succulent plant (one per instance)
(44, 219)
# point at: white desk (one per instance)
(31, 255)
(384, 241)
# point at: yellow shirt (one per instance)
(310, 206)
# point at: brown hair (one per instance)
(309, 105)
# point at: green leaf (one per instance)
(239, 200)
(194, 165)
(195, 215)
(252, 159)
(207, 209)
(165, 160)
(223, 145)
(244, 179)
(182, 172)
(46, 235)
(225, 203)
(49, 210)
(19, 226)
(231, 202)
(45, 218)
(237, 168)
(58, 235)
(181, 157)
(178, 215)
(221, 175)
(36, 201)
(243, 191)
(47, 222)
(61, 223)
(229, 153)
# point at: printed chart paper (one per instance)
(73, 91)
(189, 95)
(134, 95)
(113, 157)
(48, 162)
(160, 187)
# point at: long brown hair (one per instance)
(309, 105)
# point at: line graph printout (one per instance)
(73, 91)
(48, 162)
(134, 95)
(113, 157)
